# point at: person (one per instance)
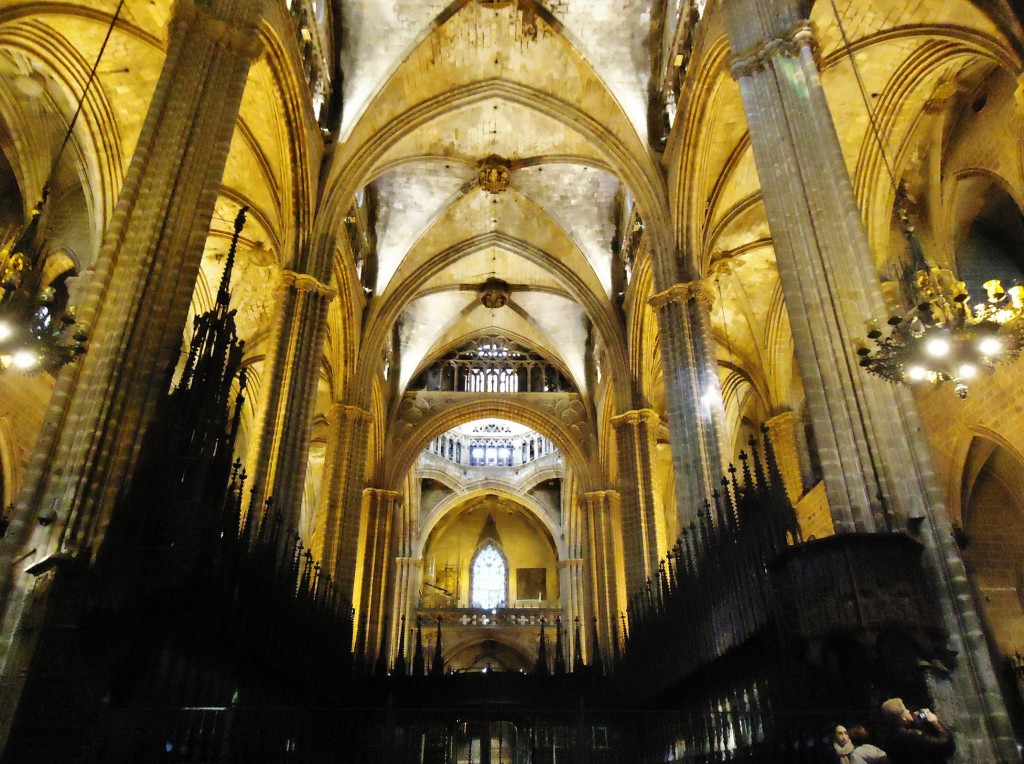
(915, 737)
(863, 751)
(842, 745)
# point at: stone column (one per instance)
(571, 583)
(280, 449)
(878, 473)
(136, 304)
(600, 509)
(343, 422)
(782, 430)
(643, 529)
(572, 580)
(408, 569)
(693, 391)
(376, 552)
(408, 580)
(348, 515)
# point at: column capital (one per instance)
(189, 16)
(382, 494)
(683, 292)
(787, 44)
(303, 282)
(595, 498)
(781, 420)
(636, 416)
(349, 413)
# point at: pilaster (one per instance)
(288, 396)
(878, 473)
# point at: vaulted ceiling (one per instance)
(547, 228)
(557, 94)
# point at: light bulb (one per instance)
(990, 346)
(5, 331)
(23, 359)
(917, 373)
(937, 347)
(968, 371)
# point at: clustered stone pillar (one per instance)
(643, 530)
(376, 552)
(408, 580)
(572, 579)
(408, 569)
(136, 302)
(782, 431)
(343, 422)
(280, 449)
(348, 516)
(601, 509)
(878, 473)
(693, 392)
(571, 582)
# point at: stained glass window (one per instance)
(490, 578)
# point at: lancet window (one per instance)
(489, 578)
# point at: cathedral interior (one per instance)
(478, 381)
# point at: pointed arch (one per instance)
(560, 417)
(378, 326)
(628, 158)
(488, 577)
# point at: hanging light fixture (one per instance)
(943, 337)
(33, 337)
(37, 333)
(939, 335)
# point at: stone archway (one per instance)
(992, 501)
(561, 417)
(490, 654)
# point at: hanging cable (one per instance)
(890, 171)
(85, 94)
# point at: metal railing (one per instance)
(505, 617)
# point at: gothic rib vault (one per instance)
(584, 179)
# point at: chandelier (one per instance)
(943, 337)
(37, 332)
